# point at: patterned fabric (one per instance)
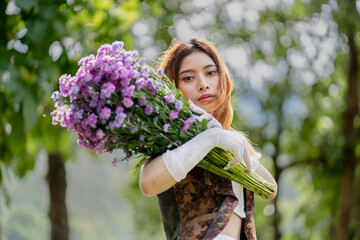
(248, 224)
(204, 203)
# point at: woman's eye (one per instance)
(211, 73)
(188, 78)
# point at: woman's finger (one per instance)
(195, 108)
(247, 160)
(206, 116)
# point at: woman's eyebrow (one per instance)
(209, 65)
(187, 70)
(192, 70)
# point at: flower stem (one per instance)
(217, 159)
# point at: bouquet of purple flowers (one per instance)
(115, 101)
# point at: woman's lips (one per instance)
(206, 97)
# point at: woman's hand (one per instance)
(251, 161)
(181, 160)
(212, 122)
(238, 145)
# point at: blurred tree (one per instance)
(42, 40)
(348, 19)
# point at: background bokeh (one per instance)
(295, 65)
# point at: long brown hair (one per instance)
(170, 62)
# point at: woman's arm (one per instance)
(155, 178)
(164, 171)
(264, 173)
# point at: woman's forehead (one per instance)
(196, 59)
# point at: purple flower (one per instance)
(145, 70)
(105, 113)
(99, 134)
(186, 127)
(78, 114)
(128, 102)
(160, 71)
(139, 82)
(84, 145)
(114, 162)
(158, 86)
(104, 50)
(188, 122)
(117, 46)
(91, 120)
(88, 60)
(133, 74)
(173, 115)
(129, 91)
(59, 104)
(125, 80)
(80, 74)
(56, 116)
(141, 137)
(148, 109)
(93, 103)
(142, 101)
(98, 77)
(133, 130)
(119, 119)
(149, 85)
(64, 82)
(101, 103)
(169, 98)
(166, 126)
(119, 110)
(178, 105)
(107, 89)
(56, 96)
(121, 116)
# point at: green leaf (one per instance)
(29, 111)
(36, 30)
(26, 4)
(17, 135)
(24, 164)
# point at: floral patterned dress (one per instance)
(200, 206)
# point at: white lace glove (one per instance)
(253, 162)
(212, 122)
(250, 161)
(181, 160)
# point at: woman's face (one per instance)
(199, 79)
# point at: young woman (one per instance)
(194, 203)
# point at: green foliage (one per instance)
(41, 42)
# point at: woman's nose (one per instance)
(203, 83)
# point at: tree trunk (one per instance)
(276, 219)
(278, 170)
(56, 179)
(349, 161)
(3, 19)
(357, 205)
